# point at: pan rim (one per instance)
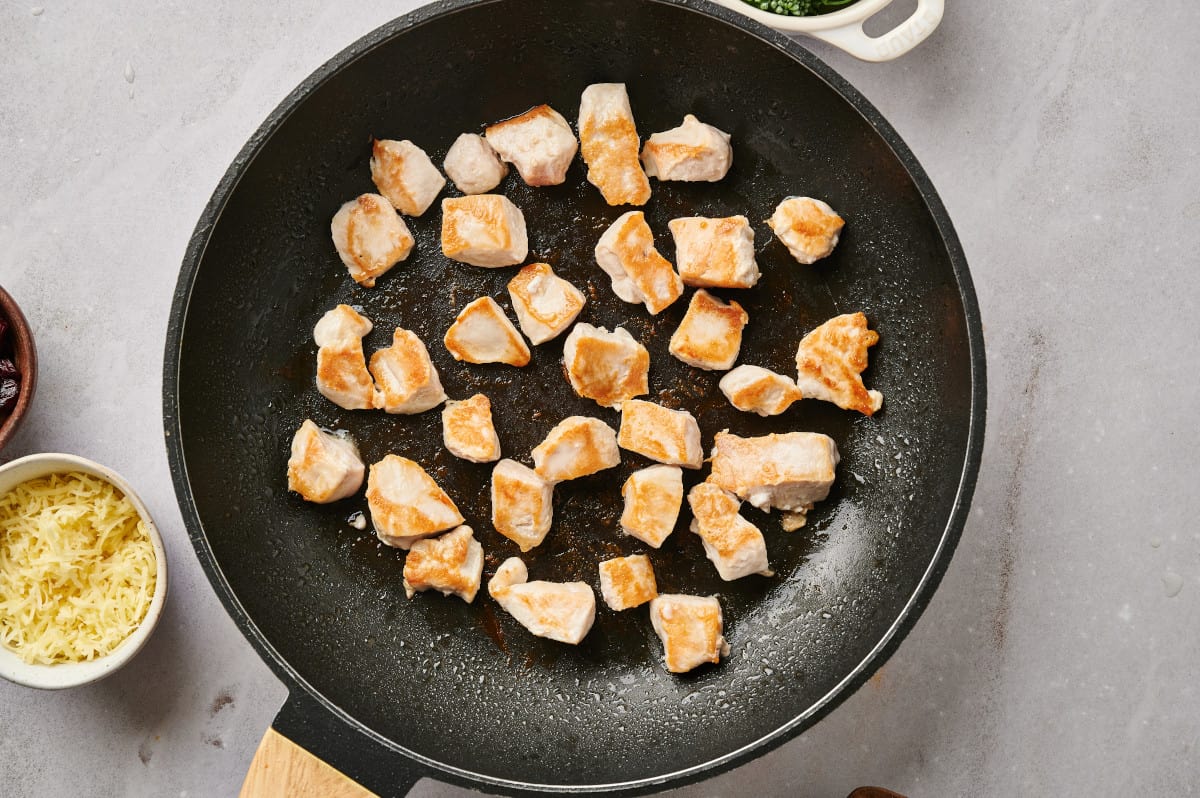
(866, 667)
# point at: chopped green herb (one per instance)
(799, 8)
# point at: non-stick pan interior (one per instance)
(465, 685)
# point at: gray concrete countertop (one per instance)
(1059, 655)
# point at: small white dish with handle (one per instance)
(844, 28)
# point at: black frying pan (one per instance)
(389, 689)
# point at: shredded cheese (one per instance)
(77, 569)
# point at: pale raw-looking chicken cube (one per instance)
(607, 367)
(473, 165)
(668, 436)
(693, 151)
(562, 611)
(609, 142)
(715, 253)
(370, 237)
(830, 361)
(451, 564)
(324, 466)
(639, 274)
(407, 379)
(733, 544)
(404, 175)
(539, 143)
(691, 629)
(484, 230)
(653, 497)
(483, 334)
(342, 375)
(545, 303)
(468, 431)
(791, 472)
(576, 447)
(710, 335)
(406, 504)
(627, 582)
(808, 227)
(754, 389)
(522, 504)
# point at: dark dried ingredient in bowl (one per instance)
(799, 8)
(9, 390)
(10, 377)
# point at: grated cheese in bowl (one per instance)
(78, 570)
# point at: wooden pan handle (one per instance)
(282, 769)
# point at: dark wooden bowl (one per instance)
(25, 354)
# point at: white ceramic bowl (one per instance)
(844, 28)
(73, 674)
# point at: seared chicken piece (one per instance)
(473, 165)
(791, 471)
(690, 628)
(608, 367)
(576, 447)
(451, 564)
(522, 504)
(830, 361)
(483, 230)
(693, 151)
(808, 227)
(342, 375)
(406, 504)
(639, 274)
(652, 499)
(715, 253)
(468, 431)
(408, 382)
(733, 544)
(539, 143)
(710, 335)
(545, 303)
(562, 611)
(370, 237)
(754, 389)
(668, 436)
(404, 174)
(609, 142)
(627, 582)
(483, 334)
(340, 325)
(324, 466)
